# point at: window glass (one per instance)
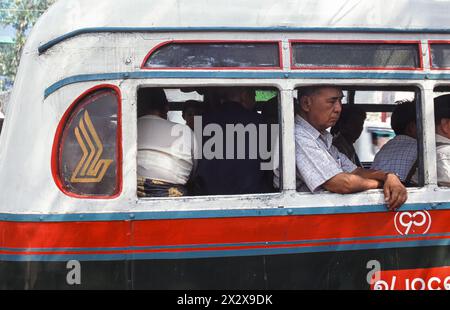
(440, 56)
(89, 148)
(355, 55)
(215, 55)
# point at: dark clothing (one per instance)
(232, 176)
(346, 148)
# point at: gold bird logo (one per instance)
(90, 168)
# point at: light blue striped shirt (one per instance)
(318, 160)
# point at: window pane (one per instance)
(88, 153)
(366, 55)
(215, 55)
(440, 55)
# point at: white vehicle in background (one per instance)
(374, 135)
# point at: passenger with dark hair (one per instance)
(229, 167)
(399, 155)
(442, 123)
(347, 130)
(165, 158)
(191, 108)
(320, 166)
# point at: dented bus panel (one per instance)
(69, 213)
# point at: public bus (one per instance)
(70, 216)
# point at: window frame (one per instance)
(349, 68)
(57, 141)
(287, 201)
(162, 44)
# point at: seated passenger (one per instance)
(191, 108)
(319, 163)
(442, 121)
(269, 111)
(399, 155)
(165, 158)
(227, 165)
(347, 130)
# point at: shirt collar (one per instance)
(325, 137)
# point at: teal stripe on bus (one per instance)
(241, 75)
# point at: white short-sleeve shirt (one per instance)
(165, 150)
(317, 159)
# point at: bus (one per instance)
(70, 216)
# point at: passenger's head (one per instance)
(320, 105)
(442, 115)
(191, 108)
(403, 119)
(269, 111)
(152, 101)
(350, 123)
(243, 95)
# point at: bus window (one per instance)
(87, 150)
(442, 129)
(383, 141)
(440, 55)
(263, 55)
(206, 140)
(356, 55)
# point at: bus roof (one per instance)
(75, 16)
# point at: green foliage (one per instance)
(21, 16)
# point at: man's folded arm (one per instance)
(347, 183)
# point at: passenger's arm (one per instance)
(395, 193)
(347, 183)
(378, 175)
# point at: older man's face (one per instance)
(323, 107)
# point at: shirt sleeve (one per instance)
(443, 167)
(314, 164)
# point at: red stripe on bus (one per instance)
(104, 234)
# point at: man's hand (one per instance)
(395, 193)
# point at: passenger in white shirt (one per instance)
(165, 157)
(442, 121)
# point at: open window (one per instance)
(442, 129)
(208, 141)
(365, 127)
(87, 155)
